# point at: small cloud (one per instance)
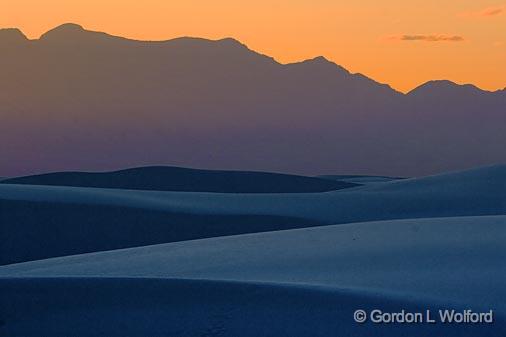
(484, 13)
(427, 38)
(492, 11)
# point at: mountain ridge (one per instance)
(67, 30)
(12, 35)
(98, 102)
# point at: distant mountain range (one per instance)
(81, 100)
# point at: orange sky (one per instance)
(402, 43)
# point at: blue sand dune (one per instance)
(47, 221)
(139, 307)
(164, 178)
(305, 282)
(441, 245)
(359, 179)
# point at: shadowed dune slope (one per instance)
(187, 180)
(186, 308)
(360, 179)
(471, 192)
(304, 282)
(455, 248)
(38, 230)
(46, 221)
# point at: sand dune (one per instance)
(37, 230)
(140, 307)
(471, 192)
(165, 178)
(359, 179)
(306, 281)
(441, 246)
(91, 219)
(372, 255)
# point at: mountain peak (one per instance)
(321, 59)
(439, 84)
(63, 31)
(231, 41)
(12, 35)
(443, 87)
(320, 63)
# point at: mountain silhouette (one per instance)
(12, 36)
(81, 100)
(160, 178)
